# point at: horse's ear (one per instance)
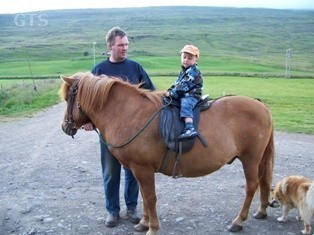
(67, 80)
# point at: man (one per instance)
(119, 65)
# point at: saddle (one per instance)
(171, 125)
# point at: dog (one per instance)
(295, 192)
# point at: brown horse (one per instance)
(234, 127)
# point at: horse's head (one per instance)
(74, 117)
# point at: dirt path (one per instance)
(51, 184)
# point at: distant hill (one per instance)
(256, 35)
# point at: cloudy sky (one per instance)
(18, 6)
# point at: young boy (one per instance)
(188, 88)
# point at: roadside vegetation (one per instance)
(22, 98)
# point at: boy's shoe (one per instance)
(112, 220)
(133, 216)
(187, 133)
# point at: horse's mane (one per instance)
(97, 88)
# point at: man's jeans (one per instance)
(187, 106)
(111, 170)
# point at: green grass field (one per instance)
(243, 52)
(231, 40)
(154, 65)
(290, 100)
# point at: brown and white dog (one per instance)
(295, 192)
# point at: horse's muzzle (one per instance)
(69, 129)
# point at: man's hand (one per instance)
(88, 126)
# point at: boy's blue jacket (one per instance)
(189, 83)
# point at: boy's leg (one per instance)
(186, 112)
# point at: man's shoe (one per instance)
(112, 220)
(133, 216)
(187, 134)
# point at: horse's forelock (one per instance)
(63, 91)
(67, 83)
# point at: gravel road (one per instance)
(51, 184)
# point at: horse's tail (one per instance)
(265, 171)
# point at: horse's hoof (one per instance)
(152, 232)
(140, 228)
(235, 228)
(260, 215)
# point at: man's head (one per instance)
(112, 34)
(117, 43)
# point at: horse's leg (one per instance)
(143, 224)
(264, 198)
(265, 178)
(146, 179)
(264, 185)
(250, 172)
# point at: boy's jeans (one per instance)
(187, 106)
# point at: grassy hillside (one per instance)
(230, 40)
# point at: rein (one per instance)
(139, 132)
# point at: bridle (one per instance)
(71, 127)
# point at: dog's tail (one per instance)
(310, 197)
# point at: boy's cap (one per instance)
(191, 49)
